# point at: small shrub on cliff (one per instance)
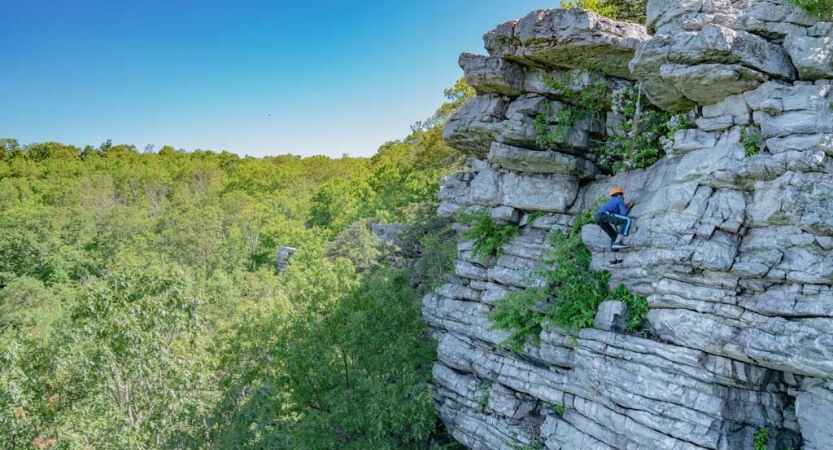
(484, 393)
(487, 235)
(820, 9)
(751, 140)
(760, 440)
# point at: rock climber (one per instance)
(613, 215)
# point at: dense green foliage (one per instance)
(487, 235)
(653, 138)
(820, 9)
(760, 440)
(569, 300)
(584, 103)
(628, 10)
(751, 140)
(643, 136)
(140, 305)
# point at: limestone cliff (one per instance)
(733, 250)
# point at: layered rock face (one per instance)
(732, 248)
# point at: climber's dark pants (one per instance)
(609, 222)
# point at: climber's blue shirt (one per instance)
(616, 205)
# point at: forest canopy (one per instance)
(141, 306)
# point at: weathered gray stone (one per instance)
(814, 409)
(552, 193)
(805, 345)
(492, 75)
(495, 75)
(505, 214)
(492, 117)
(811, 51)
(537, 161)
(612, 316)
(572, 38)
(771, 19)
(530, 192)
(693, 139)
(733, 251)
(469, 130)
(667, 65)
(794, 122)
(795, 198)
(801, 142)
(485, 188)
(705, 84)
(501, 40)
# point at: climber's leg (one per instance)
(602, 221)
(623, 222)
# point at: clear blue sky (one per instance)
(337, 76)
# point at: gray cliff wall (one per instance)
(734, 253)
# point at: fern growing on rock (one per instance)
(487, 235)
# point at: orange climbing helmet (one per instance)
(616, 190)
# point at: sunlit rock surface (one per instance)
(733, 249)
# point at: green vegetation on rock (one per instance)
(487, 235)
(642, 146)
(751, 140)
(820, 9)
(633, 145)
(570, 298)
(627, 10)
(760, 440)
(583, 101)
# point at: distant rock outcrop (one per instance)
(733, 238)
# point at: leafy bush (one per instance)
(628, 10)
(588, 102)
(577, 291)
(820, 9)
(488, 236)
(653, 138)
(520, 314)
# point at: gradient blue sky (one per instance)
(337, 76)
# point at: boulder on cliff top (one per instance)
(569, 38)
(680, 68)
(770, 19)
